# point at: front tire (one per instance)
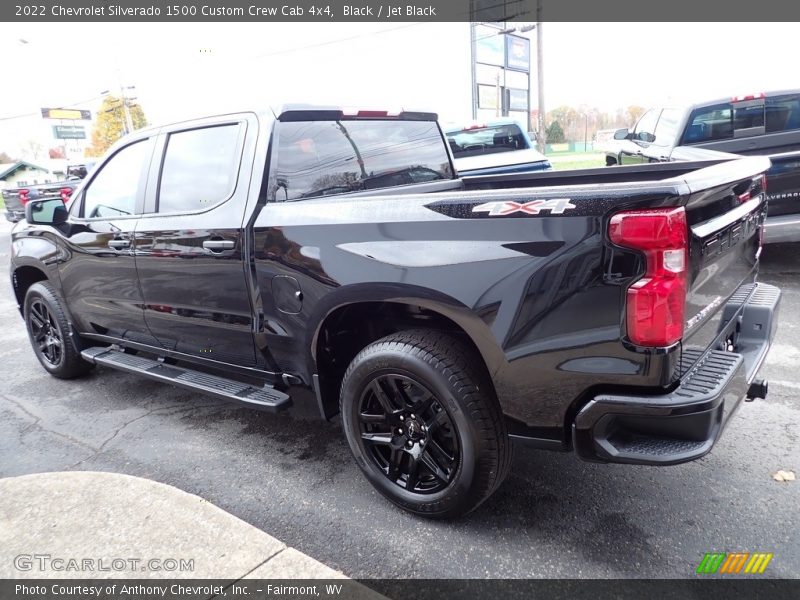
(423, 423)
(49, 333)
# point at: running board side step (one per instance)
(265, 398)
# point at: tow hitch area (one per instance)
(757, 389)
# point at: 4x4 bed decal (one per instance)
(499, 209)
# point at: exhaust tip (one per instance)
(758, 389)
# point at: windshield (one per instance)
(478, 140)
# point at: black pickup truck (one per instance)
(335, 259)
(765, 124)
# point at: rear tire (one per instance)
(423, 422)
(49, 332)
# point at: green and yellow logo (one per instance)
(734, 563)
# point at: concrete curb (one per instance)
(109, 518)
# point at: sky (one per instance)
(184, 70)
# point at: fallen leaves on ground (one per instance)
(783, 475)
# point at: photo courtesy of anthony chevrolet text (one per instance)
(383, 299)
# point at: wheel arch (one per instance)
(23, 277)
(349, 325)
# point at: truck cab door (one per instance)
(191, 248)
(98, 277)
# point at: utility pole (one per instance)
(126, 108)
(585, 131)
(540, 141)
(125, 104)
(472, 71)
(499, 99)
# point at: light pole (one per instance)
(585, 131)
(540, 138)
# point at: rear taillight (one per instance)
(24, 196)
(757, 186)
(656, 302)
(65, 194)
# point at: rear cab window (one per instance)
(782, 113)
(745, 116)
(323, 158)
(709, 124)
(483, 139)
(748, 118)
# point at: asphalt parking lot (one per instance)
(294, 478)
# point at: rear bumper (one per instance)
(684, 424)
(782, 229)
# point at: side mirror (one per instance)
(50, 211)
(621, 134)
(646, 137)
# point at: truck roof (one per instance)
(311, 112)
(731, 98)
(299, 112)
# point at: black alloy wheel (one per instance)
(408, 434)
(46, 336)
(423, 422)
(53, 341)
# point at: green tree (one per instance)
(555, 134)
(110, 124)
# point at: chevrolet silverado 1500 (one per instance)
(315, 255)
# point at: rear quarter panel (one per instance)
(531, 288)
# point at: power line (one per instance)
(33, 114)
(336, 41)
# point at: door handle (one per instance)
(119, 244)
(219, 245)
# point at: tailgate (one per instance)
(725, 213)
(12, 202)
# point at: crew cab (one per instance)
(497, 146)
(755, 124)
(334, 259)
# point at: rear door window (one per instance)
(200, 168)
(322, 158)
